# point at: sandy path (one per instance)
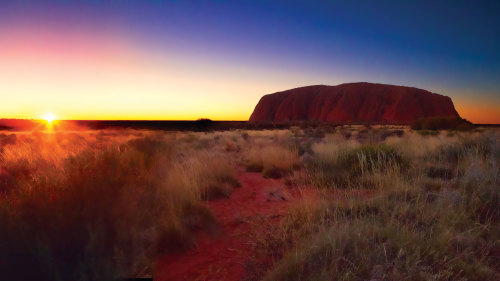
(223, 257)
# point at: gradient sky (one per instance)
(214, 59)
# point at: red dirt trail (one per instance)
(222, 257)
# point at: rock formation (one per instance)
(353, 103)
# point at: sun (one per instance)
(49, 117)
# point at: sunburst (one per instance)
(49, 117)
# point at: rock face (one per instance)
(353, 103)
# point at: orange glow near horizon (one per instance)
(106, 78)
(479, 112)
(101, 77)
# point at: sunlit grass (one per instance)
(102, 205)
(393, 204)
(436, 221)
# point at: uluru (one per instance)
(360, 102)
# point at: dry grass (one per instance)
(352, 165)
(437, 221)
(101, 205)
(274, 161)
(394, 204)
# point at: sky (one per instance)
(184, 60)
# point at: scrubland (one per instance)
(430, 211)
(392, 204)
(101, 205)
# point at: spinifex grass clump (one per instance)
(213, 181)
(274, 161)
(354, 167)
(368, 158)
(482, 145)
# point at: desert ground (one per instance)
(304, 203)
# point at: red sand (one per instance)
(223, 257)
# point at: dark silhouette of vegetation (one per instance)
(442, 123)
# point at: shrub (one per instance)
(391, 133)
(442, 123)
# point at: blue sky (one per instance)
(448, 47)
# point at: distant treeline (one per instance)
(166, 125)
(434, 123)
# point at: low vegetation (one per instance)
(274, 161)
(437, 218)
(336, 166)
(442, 123)
(99, 206)
(391, 204)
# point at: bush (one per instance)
(442, 123)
